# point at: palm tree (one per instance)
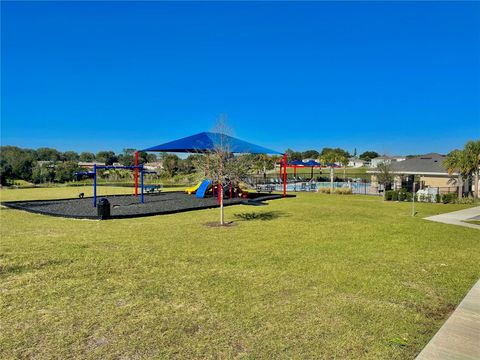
(344, 161)
(456, 161)
(472, 155)
(329, 159)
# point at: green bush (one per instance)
(449, 198)
(389, 195)
(465, 200)
(402, 195)
(394, 195)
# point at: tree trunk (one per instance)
(476, 182)
(222, 213)
(331, 179)
(460, 187)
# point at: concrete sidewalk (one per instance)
(457, 217)
(459, 337)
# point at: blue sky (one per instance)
(398, 78)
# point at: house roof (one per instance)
(425, 164)
(385, 157)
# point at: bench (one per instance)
(265, 188)
(152, 189)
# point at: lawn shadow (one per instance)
(262, 216)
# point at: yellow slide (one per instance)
(193, 189)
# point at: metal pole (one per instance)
(285, 175)
(413, 197)
(294, 178)
(136, 173)
(94, 185)
(141, 182)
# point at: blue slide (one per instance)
(204, 186)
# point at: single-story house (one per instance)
(386, 160)
(153, 166)
(89, 165)
(429, 171)
(356, 162)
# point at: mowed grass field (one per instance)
(317, 276)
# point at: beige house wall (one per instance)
(437, 181)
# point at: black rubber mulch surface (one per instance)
(127, 206)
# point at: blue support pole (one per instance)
(141, 185)
(94, 185)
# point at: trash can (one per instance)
(103, 209)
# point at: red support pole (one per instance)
(285, 176)
(136, 174)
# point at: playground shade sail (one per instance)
(296, 163)
(310, 163)
(205, 142)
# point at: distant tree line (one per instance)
(45, 165)
(50, 165)
(335, 154)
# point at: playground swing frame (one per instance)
(136, 169)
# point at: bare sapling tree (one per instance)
(384, 176)
(220, 158)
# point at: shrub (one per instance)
(343, 191)
(402, 195)
(465, 200)
(389, 195)
(449, 198)
(324, 190)
(394, 195)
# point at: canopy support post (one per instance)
(94, 185)
(142, 184)
(135, 175)
(285, 175)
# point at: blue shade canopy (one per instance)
(205, 142)
(312, 163)
(296, 163)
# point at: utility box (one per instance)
(103, 209)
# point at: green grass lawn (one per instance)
(317, 276)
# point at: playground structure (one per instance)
(229, 189)
(121, 206)
(208, 142)
(136, 168)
